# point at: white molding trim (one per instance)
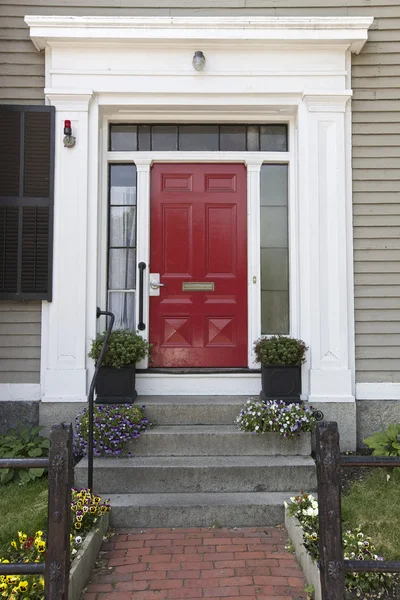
(220, 384)
(349, 31)
(19, 391)
(378, 391)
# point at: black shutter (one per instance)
(26, 202)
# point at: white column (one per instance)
(253, 256)
(143, 166)
(327, 241)
(64, 344)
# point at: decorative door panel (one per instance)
(198, 242)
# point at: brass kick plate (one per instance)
(198, 286)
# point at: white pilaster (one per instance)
(330, 375)
(143, 242)
(64, 347)
(253, 256)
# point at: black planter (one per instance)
(281, 382)
(116, 386)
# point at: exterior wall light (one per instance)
(199, 60)
(69, 140)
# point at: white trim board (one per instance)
(19, 391)
(335, 30)
(217, 384)
(378, 391)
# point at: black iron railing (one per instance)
(99, 313)
(333, 566)
(59, 465)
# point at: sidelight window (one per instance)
(274, 249)
(122, 244)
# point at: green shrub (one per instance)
(24, 443)
(124, 348)
(385, 443)
(280, 350)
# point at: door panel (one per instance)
(198, 237)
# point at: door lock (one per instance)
(155, 284)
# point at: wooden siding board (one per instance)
(376, 149)
(20, 324)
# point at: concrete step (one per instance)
(250, 509)
(215, 440)
(193, 410)
(160, 474)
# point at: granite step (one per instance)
(183, 474)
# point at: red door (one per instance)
(198, 241)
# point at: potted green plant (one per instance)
(281, 359)
(116, 379)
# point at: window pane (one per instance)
(274, 227)
(123, 226)
(232, 137)
(164, 137)
(123, 137)
(274, 185)
(122, 184)
(274, 269)
(274, 313)
(273, 138)
(274, 250)
(122, 269)
(198, 137)
(253, 138)
(144, 142)
(122, 304)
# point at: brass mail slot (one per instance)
(198, 286)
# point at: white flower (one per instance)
(257, 427)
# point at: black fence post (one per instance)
(330, 515)
(60, 483)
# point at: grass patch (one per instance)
(22, 508)
(374, 504)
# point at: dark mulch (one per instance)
(349, 476)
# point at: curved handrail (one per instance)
(99, 313)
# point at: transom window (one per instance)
(212, 138)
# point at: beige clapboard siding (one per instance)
(376, 136)
(20, 342)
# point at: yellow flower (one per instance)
(41, 546)
(42, 582)
(96, 499)
(11, 579)
(79, 517)
(23, 586)
(39, 534)
(14, 544)
(78, 525)
(3, 586)
(93, 509)
(5, 561)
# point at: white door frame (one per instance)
(257, 69)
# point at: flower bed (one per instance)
(87, 511)
(113, 425)
(301, 519)
(289, 420)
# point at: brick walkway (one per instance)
(170, 564)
